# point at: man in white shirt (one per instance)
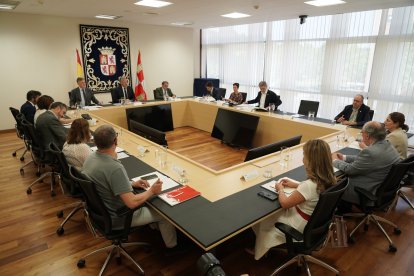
(266, 97)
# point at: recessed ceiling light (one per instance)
(105, 16)
(9, 5)
(322, 3)
(153, 3)
(236, 15)
(182, 23)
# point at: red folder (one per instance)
(179, 195)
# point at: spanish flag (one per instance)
(79, 69)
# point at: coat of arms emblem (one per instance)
(107, 61)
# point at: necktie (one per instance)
(125, 96)
(82, 94)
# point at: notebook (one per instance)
(179, 195)
(270, 186)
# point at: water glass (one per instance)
(267, 173)
(284, 157)
(141, 151)
(181, 173)
(311, 115)
(163, 157)
(122, 101)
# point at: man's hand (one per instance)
(341, 119)
(140, 184)
(337, 156)
(156, 187)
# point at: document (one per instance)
(270, 186)
(118, 149)
(167, 183)
(121, 155)
(179, 195)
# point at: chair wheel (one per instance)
(81, 263)
(22, 158)
(397, 231)
(29, 191)
(60, 231)
(392, 248)
(14, 154)
(52, 193)
(59, 214)
(21, 172)
(351, 240)
(366, 227)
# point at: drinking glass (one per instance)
(338, 142)
(141, 150)
(181, 173)
(267, 173)
(163, 157)
(272, 107)
(122, 101)
(284, 156)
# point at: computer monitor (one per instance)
(235, 128)
(306, 106)
(271, 148)
(148, 132)
(154, 116)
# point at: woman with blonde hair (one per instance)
(75, 148)
(298, 207)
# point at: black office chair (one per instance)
(113, 96)
(221, 94)
(315, 232)
(19, 131)
(101, 220)
(40, 157)
(407, 182)
(380, 201)
(68, 186)
(306, 106)
(371, 114)
(156, 97)
(244, 95)
(19, 122)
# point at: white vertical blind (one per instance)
(328, 59)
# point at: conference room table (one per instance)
(228, 203)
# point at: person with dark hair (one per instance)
(265, 97)
(43, 104)
(28, 109)
(235, 97)
(49, 128)
(369, 168)
(298, 207)
(82, 95)
(212, 91)
(76, 149)
(397, 132)
(116, 190)
(163, 92)
(356, 114)
(123, 91)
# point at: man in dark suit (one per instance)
(355, 114)
(49, 128)
(163, 92)
(123, 91)
(28, 109)
(369, 168)
(266, 97)
(213, 92)
(82, 95)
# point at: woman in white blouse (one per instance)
(299, 205)
(76, 149)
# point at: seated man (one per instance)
(369, 168)
(266, 97)
(163, 92)
(82, 95)
(123, 91)
(116, 190)
(28, 109)
(212, 91)
(49, 127)
(355, 114)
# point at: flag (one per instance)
(79, 69)
(139, 87)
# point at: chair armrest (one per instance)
(289, 231)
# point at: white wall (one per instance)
(38, 52)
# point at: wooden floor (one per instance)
(29, 244)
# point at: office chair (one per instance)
(113, 96)
(222, 93)
(407, 182)
(244, 95)
(19, 131)
(381, 200)
(306, 106)
(315, 232)
(371, 114)
(19, 119)
(101, 220)
(68, 186)
(40, 157)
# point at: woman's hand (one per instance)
(288, 182)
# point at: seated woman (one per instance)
(396, 133)
(299, 206)
(43, 104)
(75, 149)
(235, 97)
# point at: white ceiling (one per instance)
(202, 13)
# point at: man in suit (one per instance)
(82, 95)
(163, 92)
(28, 109)
(266, 97)
(213, 92)
(49, 128)
(355, 114)
(369, 168)
(123, 91)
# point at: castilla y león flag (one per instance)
(79, 69)
(139, 87)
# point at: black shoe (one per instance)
(176, 250)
